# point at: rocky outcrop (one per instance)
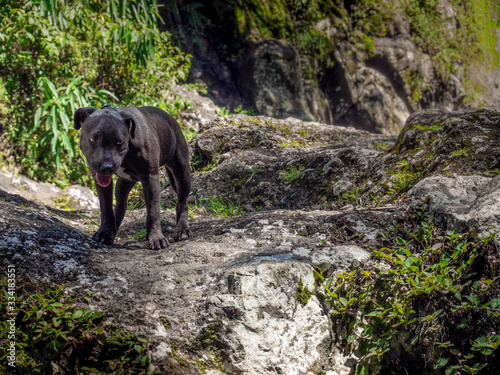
(448, 143)
(357, 64)
(462, 202)
(364, 98)
(380, 93)
(238, 297)
(226, 299)
(269, 163)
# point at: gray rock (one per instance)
(259, 152)
(375, 93)
(376, 106)
(462, 202)
(318, 103)
(81, 198)
(438, 142)
(227, 298)
(400, 24)
(449, 17)
(363, 97)
(202, 111)
(270, 78)
(396, 58)
(75, 197)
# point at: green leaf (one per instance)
(77, 314)
(441, 363)
(138, 348)
(343, 301)
(443, 263)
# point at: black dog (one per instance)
(134, 142)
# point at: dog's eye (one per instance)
(93, 140)
(119, 142)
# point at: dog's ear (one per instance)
(81, 115)
(129, 120)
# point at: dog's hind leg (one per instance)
(182, 181)
(171, 179)
(122, 190)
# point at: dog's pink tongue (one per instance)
(103, 180)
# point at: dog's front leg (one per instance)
(107, 230)
(151, 188)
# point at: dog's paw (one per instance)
(157, 242)
(182, 231)
(104, 235)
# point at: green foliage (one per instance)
(53, 132)
(139, 236)
(200, 164)
(291, 173)
(402, 179)
(432, 294)
(350, 197)
(381, 146)
(291, 143)
(493, 172)
(303, 293)
(224, 111)
(218, 205)
(58, 55)
(51, 326)
(425, 128)
(460, 152)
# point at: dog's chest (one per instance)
(120, 172)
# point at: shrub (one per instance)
(427, 301)
(55, 326)
(56, 55)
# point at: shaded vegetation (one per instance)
(52, 328)
(428, 301)
(57, 55)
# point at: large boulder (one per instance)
(397, 58)
(462, 202)
(364, 97)
(270, 79)
(269, 163)
(379, 93)
(235, 298)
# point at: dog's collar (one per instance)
(110, 106)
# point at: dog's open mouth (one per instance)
(103, 180)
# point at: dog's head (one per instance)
(104, 140)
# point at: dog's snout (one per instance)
(107, 168)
